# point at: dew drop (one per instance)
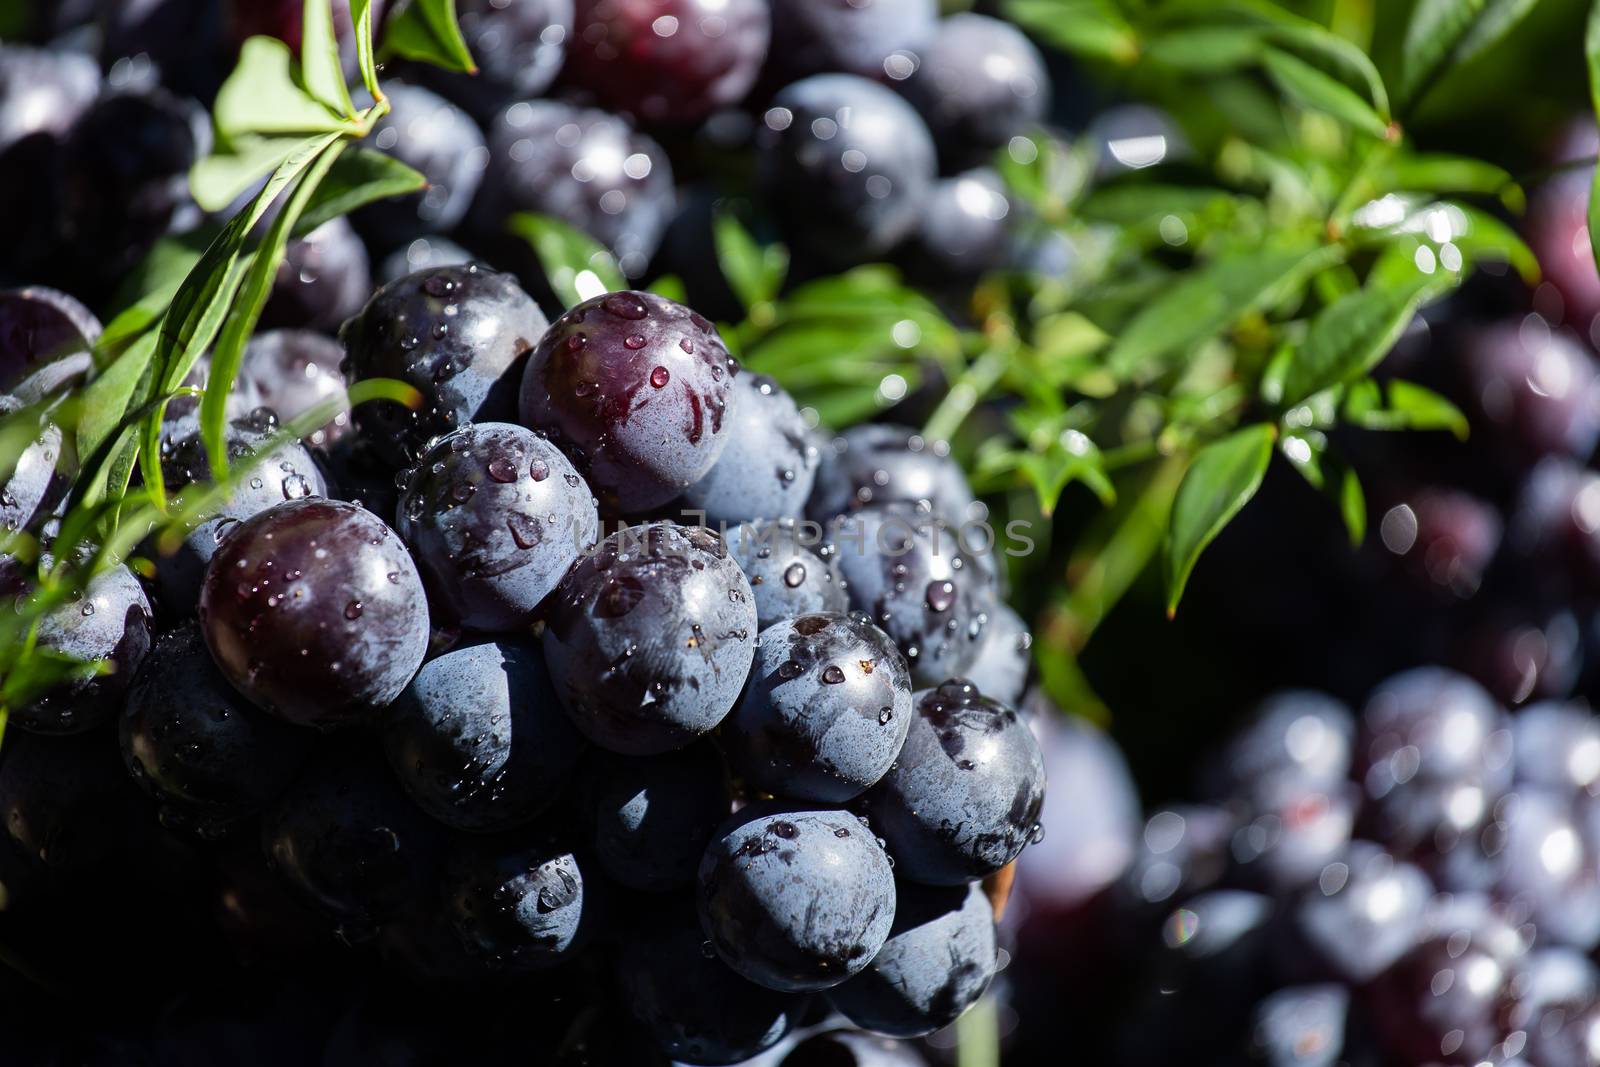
(832, 675)
(659, 377)
(885, 716)
(539, 470)
(525, 530)
(352, 610)
(502, 470)
(633, 342)
(940, 595)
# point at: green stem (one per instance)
(978, 1036)
(982, 375)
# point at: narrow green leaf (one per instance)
(1208, 299)
(1350, 336)
(577, 266)
(1094, 29)
(1487, 237)
(427, 30)
(1135, 202)
(359, 177)
(254, 290)
(1328, 473)
(740, 260)
(1320, 92)
(1443, 173)
(261, 96)
(1401, 405)
(1447, 33)
(1206, 49)
(320, 65)
(366, 54)
(106, 399)
(1223, 477)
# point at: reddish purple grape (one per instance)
(668, 60)
(635, 389)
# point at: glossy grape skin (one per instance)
(937, 962)
(964, 797)
(1537, 389)
(206, 755)
(422, 253)
(459, 335)
(346, 839)
(43, 91)
(291, 372)
(698, 1010)
(430, 135)
(325, 277)
(1303, 1026)
(1298, 736)
(979, 83)
(912, 579)
(1005, 656)
(66, 806)
(1364, 912)
(826, 710)
(478, 738)
(110, 620)
(651, 637)
(635, 388)
(965, 229)
(875, 39)
(670, 60)
(45, 337)
(652, 817)
(769, 465)
(787, 577)
(849, 164)
(590, 169)
(314, 610)
(795, 899)
(519, 46)
(495, 516)
(527, 908)
(1557, 747)
(35, 486)
(878, 463)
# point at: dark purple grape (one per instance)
(1536, 387)
(1294, 830)
(1001, 665)
(585, 167)
(698, 1010)
(796, 899)
(66, 807)
(1556, 525)
(110, 621)
(964, 796)
(291, 372)
(635, 388)
(43, 91)
(35, 486)
(937, 962)
(1298, 736)
(495, 516)
(965, 229)
(519, 46)
(670, 60)
(826, 710)
(444, 145)
(184, 41)
(847, 164)
(1432, 725)
(349, 842)
(478, 738)
(978, 83)
(651, 637)
(314, 610)
(1303, 1026)
(520, 908)
(872, 38)
(423, 253)
(324, 279)
(286, 473)
(769, 465)
(882, 464)
(206, 755)
(1524, 652)
(1542, 865)
(1182, 850)
(45, 337)
(1557, 228)
(459, 335)
(1446, 538)
(788, 575)
(653, 816)
(1363, 913)
(1557, 747)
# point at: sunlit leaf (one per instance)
(1446, 33)
(261, 96)
(359, 177)
(1091, 28)
(427, 30)
(1312, 88)
(1223, 477)
(319, 58)
(1350, 336)
(577, 266)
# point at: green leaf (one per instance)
(1350, 336)
(1206, 49)
(358, 178)
(261, 96)
(1401, 405)
(1211, 297)
(755, 274)
(1446, 33)
(670, 286)
(427, 30)
(1135, 202)
(1223, 477)
(218, 180)
(1070, 458)
(1090, 28)
(254, 290)
(320, 66)
(366, 58)
(1318, 91)
(108, 397)
(1330, 475)
(1487, 237)
(1443, 173)
(577, 265)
